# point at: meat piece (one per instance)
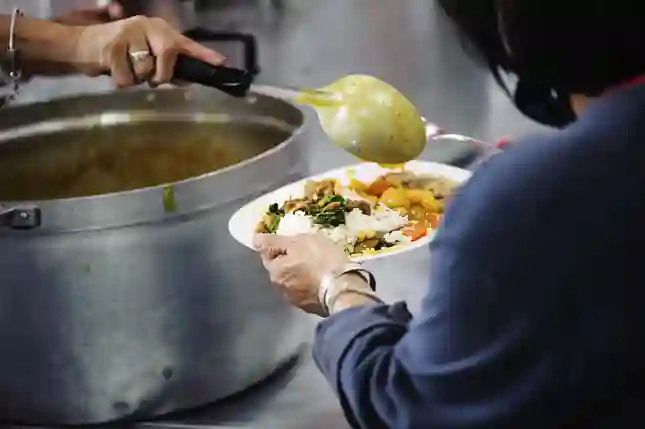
(319, 190)
(363, 206)
(266, 224)
(310, 189)
(369, 244)
(403, 179)
(440, 188)
(300, 204)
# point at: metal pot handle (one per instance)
(20, 217)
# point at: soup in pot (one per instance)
(94, 161)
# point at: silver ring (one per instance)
(140, 55)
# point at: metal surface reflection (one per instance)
(117, 306)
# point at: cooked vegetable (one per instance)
(421, 198)
(395, 198)
(417, 213)
(322, 201)
(434, 220)
(358, 185)
(274, 208)
(378, 187)
(416, 231)
(417, 200)
(332, 211)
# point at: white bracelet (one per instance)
(332, 297)
(13, 75)
(327, 298)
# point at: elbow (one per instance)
(376, 391)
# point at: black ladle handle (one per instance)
(232, 81)
(248, 42)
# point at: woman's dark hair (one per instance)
(571, 46)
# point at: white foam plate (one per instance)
(242, 224)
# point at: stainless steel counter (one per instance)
(310, 43)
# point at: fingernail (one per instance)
(219, 58)
(115, 10)
(258, 241)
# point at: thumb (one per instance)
(263, 242)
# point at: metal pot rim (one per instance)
(150, 204)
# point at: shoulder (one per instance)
(550, 198)
(537, 205)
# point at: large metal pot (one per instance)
(136, 302)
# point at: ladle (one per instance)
(361, 114)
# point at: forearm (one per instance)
(355, 346)
(44, 47)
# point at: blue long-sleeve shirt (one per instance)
(536, 315)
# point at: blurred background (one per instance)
(312, 42)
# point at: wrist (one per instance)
(351, 280)
(351, 290)
(346, 299)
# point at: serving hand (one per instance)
(298, 264)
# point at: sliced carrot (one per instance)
(378, 187)
(416, 231)
(434, 220)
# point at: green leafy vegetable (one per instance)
(332, 211)
(272, 227)
(332, 199)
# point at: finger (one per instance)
(278, 269)
(143, 63)
(259, 241)
(193, 49)
(115, 10)
(165, 64)
(268, 241)
(269, 255)
(119, 64)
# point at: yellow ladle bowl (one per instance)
(366, 117)
(361, 114)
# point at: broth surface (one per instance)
(123, 157)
